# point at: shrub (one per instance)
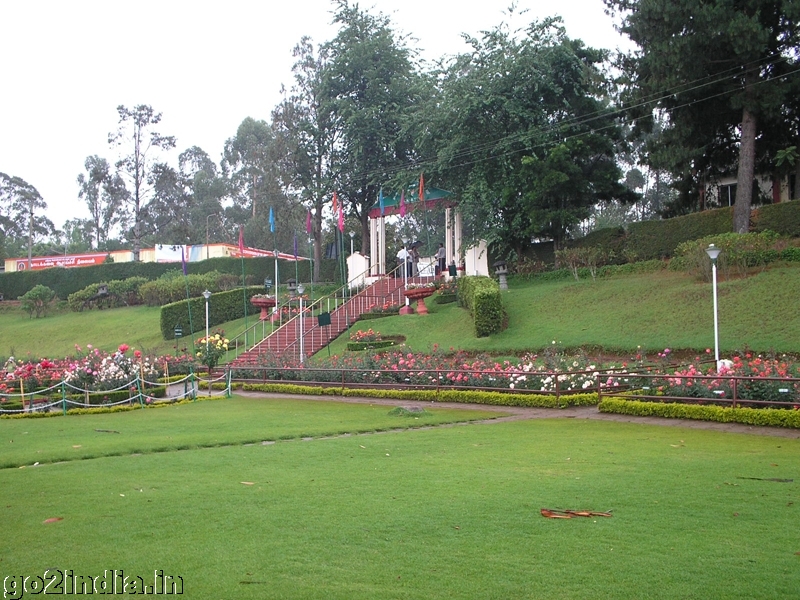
(740, 253)
(37, 301)
(769, 417)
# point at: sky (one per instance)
(206, 66)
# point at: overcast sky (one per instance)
(67, 65)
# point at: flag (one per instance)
(295, 245)
(183, 261)
(341, 217)
(380, 200)
(421, 189)
(308, 222)
(271, 220)
(241, 240)
(403, 203)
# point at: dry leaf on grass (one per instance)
(53, 520)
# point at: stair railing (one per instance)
(330, 303)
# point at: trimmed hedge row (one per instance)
(481, 296)
(358, 346)
(222, 307)
(68, 281)
(767, 417)
(647, 240)
(459, 396)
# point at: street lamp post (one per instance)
(300, 289)
(352, 236)
(207, 218)
(713, 253)
(206, 295)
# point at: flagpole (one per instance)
(244, 286)
(188, 302)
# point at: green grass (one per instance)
(436, 513)
(655, 311)
(199, 424)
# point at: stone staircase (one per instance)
(285, 341)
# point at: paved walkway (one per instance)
(517, 413)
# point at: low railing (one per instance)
(733, 390)
(63, 395)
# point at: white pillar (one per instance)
(382, 249)
(373, 247)
(458, 248)
(448, 235)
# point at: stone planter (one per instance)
(263, 304)
(418, 295)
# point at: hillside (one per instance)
(654, 311)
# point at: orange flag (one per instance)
(421, 189)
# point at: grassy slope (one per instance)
(654, 311)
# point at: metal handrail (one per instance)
(339, 297)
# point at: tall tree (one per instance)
(521, 130)
(134, 135)
(205, 189)
(717, 67)
(375, 89)
(105, 195)
(251, 162)
(306, 122)
(20, 222)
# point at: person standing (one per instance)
(404, 258)
(441, 257)
(415, 260)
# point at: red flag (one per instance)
(341, 216)
(241, 240)
(421, 189)
(308, 222)
(403, 203)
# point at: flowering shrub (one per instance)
(448, 287)
(420, 286)
(92, 370)
(365, 336)
(767, 380)
(211, 349)
(385, 308)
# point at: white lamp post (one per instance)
(206, 295)
(352, 236)
(300, 289)
(713, 253)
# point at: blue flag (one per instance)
(380, 199)
(271, 220)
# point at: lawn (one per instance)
(618, 314)
(447, 512)
(655, 310)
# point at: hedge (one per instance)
(782, 218)
(68, 281)
(481, 296)
(358, 346)
(222, 307)
(766, 417)
(459, 396)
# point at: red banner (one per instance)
(68, 261)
